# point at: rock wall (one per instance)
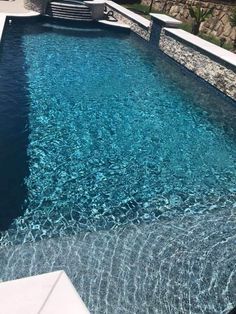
(215, 73)
(217, 25)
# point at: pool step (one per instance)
(69, 11)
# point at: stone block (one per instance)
(225, 19)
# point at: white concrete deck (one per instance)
(133, 16)
(214, 50)
(165, 19)
(114, 24)
(43, 294)
(15, 8)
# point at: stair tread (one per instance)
(69, 8)
(73, 13)
(68, 5)
(77, 18)
(67, 12)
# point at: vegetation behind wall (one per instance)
(218, 25)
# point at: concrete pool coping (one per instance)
(2, 24)
(46, 293)
(133, 16)
(166, 20)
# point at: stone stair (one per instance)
(69, 11)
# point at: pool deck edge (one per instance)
(2, 24)
(46, 293)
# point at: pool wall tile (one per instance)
(213, 64)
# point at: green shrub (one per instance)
(186, 26)
(216, 41)
(199, 15)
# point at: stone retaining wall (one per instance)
(215, 73)
(218, 25)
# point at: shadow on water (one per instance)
(14, 106)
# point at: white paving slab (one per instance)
(135, 17)
(42, 294)
(210, 48)
(168, 21)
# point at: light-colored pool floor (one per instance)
(183, 266)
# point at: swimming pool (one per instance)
(109, 135)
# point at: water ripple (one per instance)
(186, 265)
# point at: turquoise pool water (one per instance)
(117, 166)
(117, 134)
